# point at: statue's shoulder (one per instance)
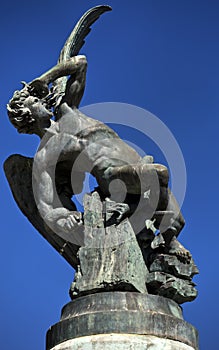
(73, 121)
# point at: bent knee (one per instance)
(162, 172)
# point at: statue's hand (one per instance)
(120, 209)
(72, 220)
(39, 88)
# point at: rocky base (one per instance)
(171, 287)
(122, 320)
(111, 258)
(172, 278)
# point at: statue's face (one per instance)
(37, 109)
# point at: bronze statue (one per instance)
(73, 144)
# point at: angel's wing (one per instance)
(77, 37)
(18, 170)
(75, 42)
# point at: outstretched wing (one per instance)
(77, 37)
(18, 170)
(75, 42)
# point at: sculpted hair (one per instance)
(19, 115)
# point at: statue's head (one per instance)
(27, 112)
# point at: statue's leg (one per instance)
(148, 183)
(139, 178)
(178, 219)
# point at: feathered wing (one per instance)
(75, 42)
(77, 37)
(18, 170)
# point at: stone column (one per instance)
(122, 320)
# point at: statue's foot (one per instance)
(177, 249)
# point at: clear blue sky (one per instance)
(159, 55)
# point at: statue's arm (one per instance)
(76, 84)
(69, 67)
(49, 205)
(75, 67)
